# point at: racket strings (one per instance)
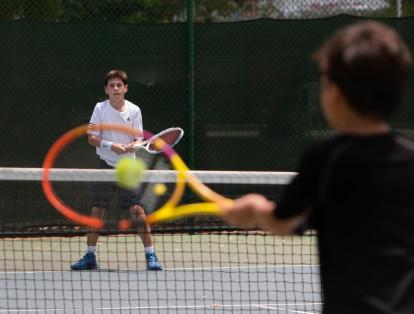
(157, 144)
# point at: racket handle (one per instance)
(171, 213)
(139, 145)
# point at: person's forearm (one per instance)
(96, 141)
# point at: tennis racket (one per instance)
(212, 201)
(170, 136)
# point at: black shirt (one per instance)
(359, 193)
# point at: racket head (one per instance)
(86, 220)
(49, 161)
(169, 137)
(169, 211)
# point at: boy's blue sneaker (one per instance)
(152, 262)
(88, 261)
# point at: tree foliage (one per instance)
(129, 11)
(149, 11)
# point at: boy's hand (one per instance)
(248, 210)
(118, 148)
(130, 148)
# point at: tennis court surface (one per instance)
(208, 267)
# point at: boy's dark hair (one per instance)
(370, 63)
(116, 74)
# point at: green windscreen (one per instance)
(255, 86)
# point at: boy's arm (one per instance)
(96, 141)
(137, 124)
(130, 148)
(255, 209)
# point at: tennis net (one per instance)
(209, 266)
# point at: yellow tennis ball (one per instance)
(159, 189)
(129, 172)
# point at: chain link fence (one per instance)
(244, 88)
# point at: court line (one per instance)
(215, 306)
(286, 310)
(41, 310)
(274, 306)
(244, 267)
(166, 269)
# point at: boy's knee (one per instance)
(137, 210)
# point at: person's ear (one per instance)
(337, 94)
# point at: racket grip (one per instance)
(170, 213)
(139, 145)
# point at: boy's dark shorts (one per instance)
(104, 192)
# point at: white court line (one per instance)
(40, 310)
(274, 306)
(286, 310)
(216, 306)
(166, 269)
(243, 267)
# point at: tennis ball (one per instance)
(129, 172)
(159, 189)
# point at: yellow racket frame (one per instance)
(170, 211)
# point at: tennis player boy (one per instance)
(357, 188)
(110, 147)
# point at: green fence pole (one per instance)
(190, 86)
